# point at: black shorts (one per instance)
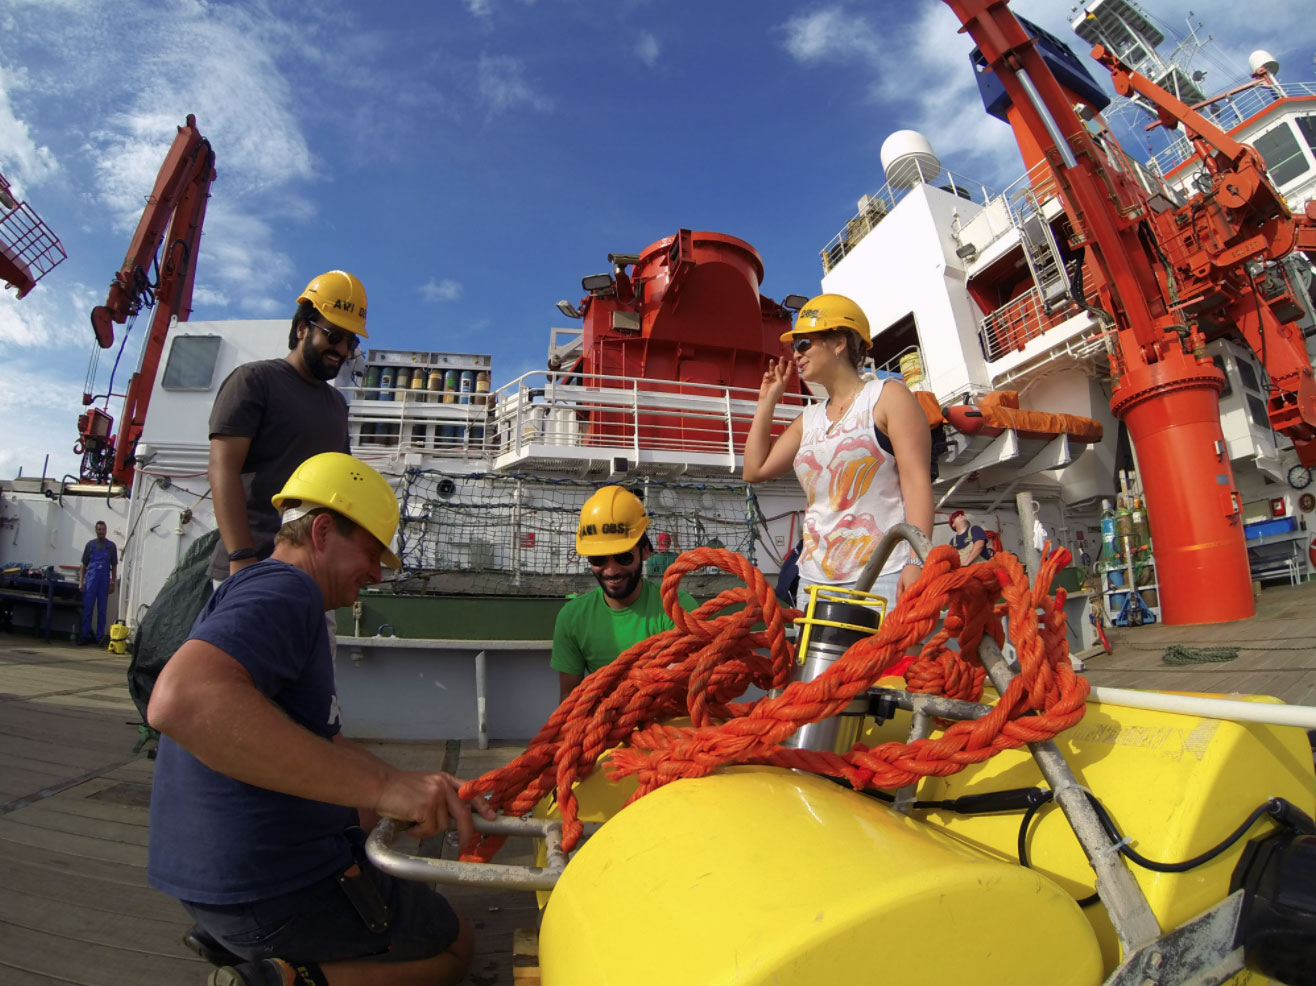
(320, 924)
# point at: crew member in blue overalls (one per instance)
(97, 579)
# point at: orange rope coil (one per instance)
(698, 668)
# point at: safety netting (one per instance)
(509, 534)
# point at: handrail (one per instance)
(586, 412)
(451, 872)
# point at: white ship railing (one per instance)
(1019, 321)
(874, 208)
(566, 416)
(1230, 110)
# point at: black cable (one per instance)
(1022, 846)
(1271, 807)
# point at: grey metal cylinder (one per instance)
(824, 647)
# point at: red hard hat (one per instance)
(951, 519)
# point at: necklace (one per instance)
(840, 412)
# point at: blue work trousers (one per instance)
(95, 593)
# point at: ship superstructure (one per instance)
(994, 299)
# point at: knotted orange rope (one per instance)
(698, 668)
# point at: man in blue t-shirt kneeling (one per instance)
(258, 796)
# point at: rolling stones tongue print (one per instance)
(852, 489)
(847, 546)
(852, 469)
(809, 471)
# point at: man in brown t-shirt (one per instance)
(274, 414)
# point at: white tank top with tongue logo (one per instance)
(853, 492)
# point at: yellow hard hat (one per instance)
(347, 486)
(341, 298)
(830, 311)
(613, 520)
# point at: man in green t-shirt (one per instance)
(592, 629)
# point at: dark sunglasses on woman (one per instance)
(801, 344)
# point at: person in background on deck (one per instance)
(271, 415)
(969, 540)
(97, 578)
(863, 456)
(596, 626)
(258, 799)
(660, 559)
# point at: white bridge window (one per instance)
(191, 364)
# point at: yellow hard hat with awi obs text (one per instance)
(830, 311)
(613, 520)
(347, 486)
(341, 298)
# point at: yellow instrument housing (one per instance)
(757, 875)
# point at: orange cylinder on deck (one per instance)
(1172, 410)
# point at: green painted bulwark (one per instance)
(454, 617)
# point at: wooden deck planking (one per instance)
(1277, 652)
(89, 963)
(85, 891)
(116, 832)
(77, 909)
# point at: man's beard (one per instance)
(315, 361)
(629, 586)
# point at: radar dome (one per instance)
(908, 159)
(1262, 59)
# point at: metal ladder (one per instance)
(1043, 255)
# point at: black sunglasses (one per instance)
(802, 344)
(335, 336)
(623, 559)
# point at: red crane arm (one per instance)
(187, 172)
(1170, 110)
(174, 215)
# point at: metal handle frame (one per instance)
(497, 876)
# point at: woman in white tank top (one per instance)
(863, 457)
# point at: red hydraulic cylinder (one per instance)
(1172, 411)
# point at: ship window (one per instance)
(1257, 407)
(1219, 362)
(1284, 157)
(1247, 375)
(191, 364)
(1307, 127)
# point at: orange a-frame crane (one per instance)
(1171, 277)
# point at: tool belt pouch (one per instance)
(365, 897)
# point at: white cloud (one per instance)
(647, 49)
(444, 290)
(41, 403)
(24, 161)
(204, 295)
(480, 8)
(49, 319)
(831, 33)
(500, 81)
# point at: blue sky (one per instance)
(470, 160)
